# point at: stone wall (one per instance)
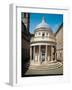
(59, 41)
(25, 37)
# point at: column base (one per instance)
(32, 62)
(53, 60)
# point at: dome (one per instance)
(43, 24)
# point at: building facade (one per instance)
(25, 36)
(59, 40)
(42, 45)
(25, 43)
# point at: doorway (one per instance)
(42, 55)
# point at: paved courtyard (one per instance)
(55, 69)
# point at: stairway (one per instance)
(46, 66)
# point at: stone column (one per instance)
(31, 53)
(34, 53)
(55, 52)
(39, 54)
(46, 55)
(51, 53)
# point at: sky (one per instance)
(53, 20)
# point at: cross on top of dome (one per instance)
(43, 19)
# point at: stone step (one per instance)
(49, 66)
(45, 65)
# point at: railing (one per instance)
(34, 39)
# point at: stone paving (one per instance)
(51, 69)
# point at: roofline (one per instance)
(59, 28)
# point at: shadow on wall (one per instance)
(25, 58)
(24, 64)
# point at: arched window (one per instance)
(39, 33)
(43, 34)
(47, 33)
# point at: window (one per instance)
(24, 15)
(43, 34)
(47, 33)
(60, 54)
(39, 33)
